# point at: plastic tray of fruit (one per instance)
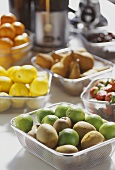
(23, 88)
(99, 98)
(73, 69)
(66, 136)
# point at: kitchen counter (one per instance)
(12, 155)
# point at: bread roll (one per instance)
(8, 18)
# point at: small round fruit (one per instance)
(60, 110)
(5, 103)
(18, 89)
(67, 149)
(8, 18)
(62, 123)
(19, 40)
(95, 120)
(50, 119)
(42, 113)
(76, 114)
(19, 27)
(5, 45)
(5, 83)
(3, 71)
(82, 128)
(23, 122)
(47, 135)
(108, 130)
(7, 30)
(12, 71)
(68, 136)
(92, 138)
(39, 86)
(25, 74)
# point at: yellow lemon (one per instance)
(5, 83)
(19, 89)
(18, 103)
(39, 86)
(11, 72)
(26, 74)
(3, 71)
(5, 103)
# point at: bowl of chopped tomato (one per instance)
(99, 98)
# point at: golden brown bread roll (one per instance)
(86, 60)
(44, 60)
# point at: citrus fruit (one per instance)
(39, 86)
(8, 18)
(34, 103)
(12, 71)
(19, 27)
(95, 120)
(67, 149)
(47, 135)
(19, 89)
(5, 84)
(75, 114)
(108, 130)
(26, 74)
(68, 136)
(5, 103)
(18, 103)
(19, 40)
(3, 71)
(50, 119)
(23, 122)
(7, 30)
(60, 110)
(42, 113)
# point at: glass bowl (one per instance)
(16, 53)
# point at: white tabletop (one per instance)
(12, 155)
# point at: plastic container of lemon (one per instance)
(82, 159)
(10, 103)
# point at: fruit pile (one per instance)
(66, 129)
(104, 90)
(21, 81)
(12, 35)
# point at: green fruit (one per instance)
(75, 114)
(67, 149)
(24, 122)
(108, 130)
(95, 120)
(50, 119)
(60, 110)
(68, 136)
(42, 113)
